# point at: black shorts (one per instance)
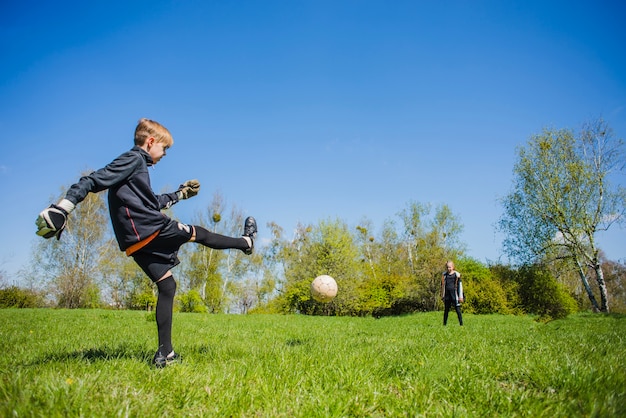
(161, 254)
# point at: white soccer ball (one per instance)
(323, 288)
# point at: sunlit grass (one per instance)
(97, 363)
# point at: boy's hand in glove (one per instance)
(52, 220)
(188, 189)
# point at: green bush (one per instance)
(191, 302)
(484, 296)
(507, 278)
(15, 297)
(145, 300)
(542, 295)
(402, 306)
(483, 292)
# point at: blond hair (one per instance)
(147, 128)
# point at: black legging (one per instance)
(449, 300)
(217, 241)
(164, 309)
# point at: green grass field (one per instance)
(92, 363)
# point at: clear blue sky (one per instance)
(299, 111)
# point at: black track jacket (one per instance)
(134, 208)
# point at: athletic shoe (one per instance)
(250, 230)
(161, 361)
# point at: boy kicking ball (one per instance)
(141, 229)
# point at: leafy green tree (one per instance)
(264, 288)
(123, 280)
(387, 287)
(430, 242)
(366, 242)
(287, 259)
(237, 268)
(562, 197)
(272, 271)
(203, 265)
(125, 284)
(374, 290)
(250, 292)
(328, 248)
(391, 254)
(219, 275)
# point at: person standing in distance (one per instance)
(141, 229)
(451, 292)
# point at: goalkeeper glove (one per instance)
(188, 189)
(52, 220)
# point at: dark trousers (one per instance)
(447, 304)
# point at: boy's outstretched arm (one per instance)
(52, 220)
(188, 189)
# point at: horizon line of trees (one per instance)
(390, 273)
(561, 197)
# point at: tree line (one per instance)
(562, 196)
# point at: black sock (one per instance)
(164, 308)
(219, 242)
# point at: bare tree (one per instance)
(71, 265)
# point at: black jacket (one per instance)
(134, 208)
(451, 285)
